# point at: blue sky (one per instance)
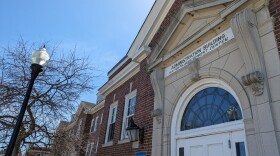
(101, 29)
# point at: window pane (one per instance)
(114, 111)
(240, 149)
(128, 119)
(92, 125)
(209, 107)
(181, 151)
(111, 132)
(131, 106)
(87, 150)
(96, 123)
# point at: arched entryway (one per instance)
(208, 121)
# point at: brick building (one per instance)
(202, 77)
(128, 94)
(75, 137)
(92, 129)
(215, 77)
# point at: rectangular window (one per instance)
(240, 149)
(97, 145)
(91, 148)
(129, 110)
(79, 127)
(92, 125)
(111, 122)
(88, 149)
(101, 118)
(95, 124)
(181, 151)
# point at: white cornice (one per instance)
(117, 67)
(85, 105)
(71, 125)
(131, 69)
(142, 53)
(150, 26)
(96, 108)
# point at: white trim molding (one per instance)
(127, 98)
(118, 66)
(130, 70)
(112, 106)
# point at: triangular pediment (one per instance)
(191, 25)
(196, 25)
(195, 18)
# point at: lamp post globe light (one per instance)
(39, 59)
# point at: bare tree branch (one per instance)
(54, 95)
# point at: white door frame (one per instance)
(182, 104)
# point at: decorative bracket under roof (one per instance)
(244, 27)
(141, 54)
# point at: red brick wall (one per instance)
(80, 144)
(90, 137)
(144, 105)
(166, 22)
(274, 8)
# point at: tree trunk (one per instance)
(16, 150)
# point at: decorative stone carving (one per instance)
(157, 79)
(255, 81)
(244, 28)
(193, 68)
(157, 114)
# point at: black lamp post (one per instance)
(134, 132)
(39, 58)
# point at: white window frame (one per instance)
(182, 103)
(112, 106)
(96, 123)
(101, 118)
(88, 148)
(91, 147)
(125, 116)
(91, 125)
(96, 148)
(79, 126)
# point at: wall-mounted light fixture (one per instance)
(134, 132)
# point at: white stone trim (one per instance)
(92, 122)
(108, 144)
(182, 104)
(209, 130)
(141, 54)
(202, 50)
(232, 7)
(117, 67)
(123, 141)
(206, 5)
(96, 108)
(154, 20)
(131, 69)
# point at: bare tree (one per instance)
(68, 142)
(54, 95)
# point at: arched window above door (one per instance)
(208, 107)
